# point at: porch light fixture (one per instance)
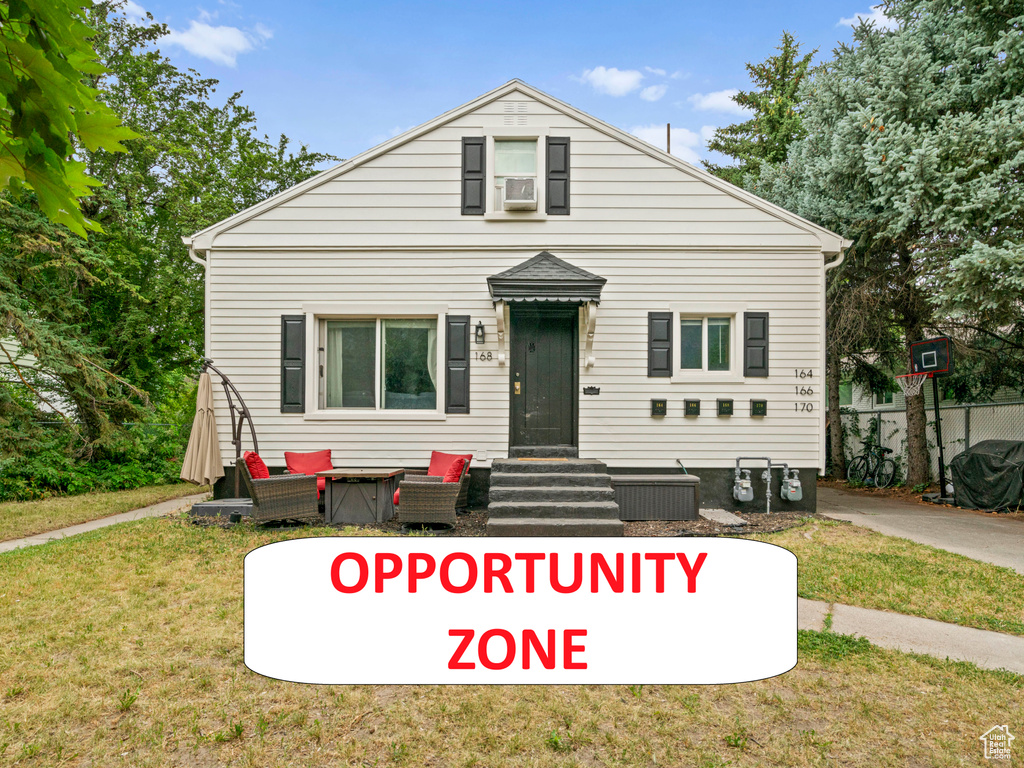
(479, 334)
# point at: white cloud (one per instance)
(653, 92)
(656, 71)
(718, 101)
(876, 15)
(679, 74)
(707, 132)
(684, 142)
(221, 44)
(612, 81)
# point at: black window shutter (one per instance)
(557, 192)
(659, 344)
(474, 171)
(293, 363)
(755, 344)
(456, 391)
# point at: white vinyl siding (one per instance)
(410, 197)
(251, 290)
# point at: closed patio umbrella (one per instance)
(203, 465)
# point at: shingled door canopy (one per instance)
(546, 278)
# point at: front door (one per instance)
(543, 375)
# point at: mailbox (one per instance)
(659, 407)
(725, 406)
(692, 407)
(758, 407)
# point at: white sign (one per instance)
(411, 610)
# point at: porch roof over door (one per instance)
(546, 277)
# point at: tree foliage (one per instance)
(116, 318)
(765, 137)
(45, 105)
(914, 149)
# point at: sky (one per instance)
(344, 76)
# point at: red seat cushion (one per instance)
(396, 496)
(440, 462)
(454, 473)
(256, 466)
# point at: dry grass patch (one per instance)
(123, 648)
(25, 518)
(845, 563)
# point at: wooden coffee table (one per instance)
(356, 496)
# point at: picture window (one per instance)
(379, 364)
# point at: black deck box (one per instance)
(657, 497)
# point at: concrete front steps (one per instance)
(556, 496)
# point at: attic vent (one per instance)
(515, 112)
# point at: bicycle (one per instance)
(874, 464)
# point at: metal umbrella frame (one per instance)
(239, 416)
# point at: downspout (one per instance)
(206, 292)
(823, 410)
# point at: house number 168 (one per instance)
(482, 356)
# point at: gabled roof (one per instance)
(831, 242)
(545, 277)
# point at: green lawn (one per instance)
(844, 563)
(24, 518)
(123, 647)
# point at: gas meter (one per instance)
(791, 489)
(742, 490)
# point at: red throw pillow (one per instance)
(440, 462)
(454, 473)
(396, 496)
(257, 467)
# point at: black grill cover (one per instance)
(989, 475)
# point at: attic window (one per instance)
(513, 159)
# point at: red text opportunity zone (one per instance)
(461, 572)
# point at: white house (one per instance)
(517, 273)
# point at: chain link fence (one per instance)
(962, 427)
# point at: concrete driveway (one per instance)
(981, 536)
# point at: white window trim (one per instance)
(370, 311)
(506, 133)
(876, 396)
(734, 311)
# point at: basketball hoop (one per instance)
(911, 383)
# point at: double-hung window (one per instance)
(705, 343)
(378, 364)
(513, 159)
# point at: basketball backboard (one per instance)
(934, 356)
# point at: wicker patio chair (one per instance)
(463, 500)
(426, 499)
(282, 497)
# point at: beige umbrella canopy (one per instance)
(203, 465)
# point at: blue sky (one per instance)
(344, 76)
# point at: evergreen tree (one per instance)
(776, 119)
(915, 150)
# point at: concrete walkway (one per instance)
(989, 650)
(153, 510)
(977, 535)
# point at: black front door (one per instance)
(543, 375)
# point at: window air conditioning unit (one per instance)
(520, 194)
